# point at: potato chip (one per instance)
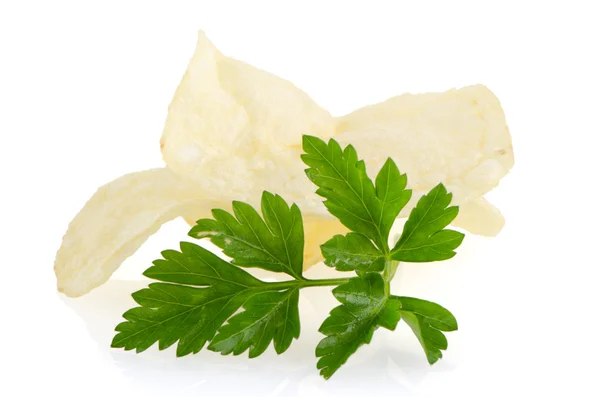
(458, 137)
(236, 131)
(115, 222)
(479, 217)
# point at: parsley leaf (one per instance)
(192, 315)
(369, 210)
(391, 191)
(354, 251)
(350, 195)
(275, 243)
(365, 307)
(201, 292)
(267, 316)
(423, 239)
(427, 320)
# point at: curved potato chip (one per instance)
(113, 224)
(235, 130)
(458, 137)
(479, 217)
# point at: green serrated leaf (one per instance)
(168, 313)
(437, 316)
(427, 320)
(352, 252)
(275, 243)
(350, 194)
(424, 238)
(172, 312)
(206, 228)
(194, 265)
(201, 292)
(268, 316)
(286, 224)
(431, 339)
(391, 190)
(191, 315)
(363, 309)
(390, 315)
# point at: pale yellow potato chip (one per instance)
(317, 231)
(115, 222)
(458, 137)
(479, 217)
(235, 131)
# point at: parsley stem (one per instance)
(388, 274)
(304, 283)
(326, 282)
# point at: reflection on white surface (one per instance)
(393, 362)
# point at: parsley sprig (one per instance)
(201, 299)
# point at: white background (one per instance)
(84, 88)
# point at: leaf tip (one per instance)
(431, 359)
(309, 140)
(116, 343)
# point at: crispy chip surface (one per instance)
(236, 130)
(458, 137)
(113, 224)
